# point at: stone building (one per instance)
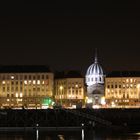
(95, 82)
(69, 89)
(25, 86)
(122, 89)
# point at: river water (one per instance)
(83, 135)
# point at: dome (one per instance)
(95, 69)
(95, 73)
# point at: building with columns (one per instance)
(122, 89)
(25, 86)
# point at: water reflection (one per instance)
(80, 135)
(83, 132)
(37, 134)
(61, 137)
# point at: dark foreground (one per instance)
(123, 119)
(63, 135)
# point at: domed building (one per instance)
(95, 82)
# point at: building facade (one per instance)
(70, 90)
(25, 86)
(122, 89)
(95, 82)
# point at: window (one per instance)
(25, 77)
(16, 88)
(3, 82)
(12, 77)
(42, 77)
(16, 77)
(38, 89)
(34, 82)
(12, 89)
(47, 77)
(38, 82)
(34, 77)
(96, 79)
(38, 77)
(20, 77)
(3, 89)
(3, 77)
(29, 77)
(8, 88)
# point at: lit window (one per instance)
(21, 95)
(16, 94)
(12, 77)
(38, 82)
(25, 82)
(3, 82)
(34, 82)
(76, 86)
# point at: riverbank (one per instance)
(126, 119)
(17, 129)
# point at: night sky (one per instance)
(65, 35)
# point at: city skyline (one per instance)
(65, 37)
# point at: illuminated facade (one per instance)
(95, 82)
(69, 90)
(25, 86)
(123, 89)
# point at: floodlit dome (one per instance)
(95, 69)
(95, 74)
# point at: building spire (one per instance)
(96, 58)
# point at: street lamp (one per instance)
(61, 91)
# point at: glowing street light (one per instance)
(61, 91)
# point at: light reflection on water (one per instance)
(83, 135)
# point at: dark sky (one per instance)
(64, 35)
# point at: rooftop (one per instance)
(23, 68)
(124, 74)
(69, 74)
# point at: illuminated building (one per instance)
(95, 82)
(122, 89)
(69, 89)
(25, 86)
